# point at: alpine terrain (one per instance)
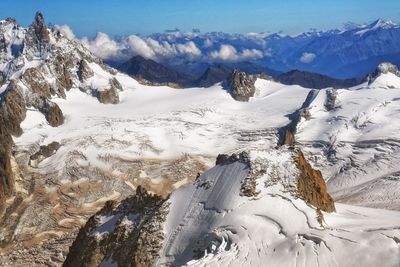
(146, 166)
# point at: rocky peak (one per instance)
(383, 68)
(40, 28)
(128, 234)
(241, 85)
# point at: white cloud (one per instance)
(66, 31)
(102, 46)
(189, 48)
(225, 53)
(174, 46)
(140, 47)
(307, 57)
(229, 53)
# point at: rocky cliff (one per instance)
(128, 234)
(241, 85)
(38, 64)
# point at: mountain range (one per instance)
(104, 168)
(352, 51)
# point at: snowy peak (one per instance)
(385, 75)
(382, 24)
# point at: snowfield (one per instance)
(215, 226)
(231, 230)
(360, 137)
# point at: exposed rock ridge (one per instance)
(241, 85)
(128, 234)
(311, 186)
(12, 113)
(287, 133)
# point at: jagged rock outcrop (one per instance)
(330, 102)
(287, 133)
(12, 113)
(128, 234)
(241, 85)
(84, 71)
(34, 79)
(52, 113)
(44, 152)
(110, 95)
(311, 185)
(40, 28)
(37, 39)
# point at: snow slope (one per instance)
(211, 224)
(161, 122)
(356, 144)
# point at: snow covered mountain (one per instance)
(349, 52)
(126, 171)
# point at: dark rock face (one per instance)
(213, 75)
(62, 65)
(330, 102)
(288, 133)
(13, 110)
(36, 82)
(84, 71)
(150, 72)
(40, 28)
(315, 80)
(241, 86)
(311, 186)
(44, 152)
(12, 113)
(52, 112)
(128, 234)
(110, 96)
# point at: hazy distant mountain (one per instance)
(149, 70)
(314, 80)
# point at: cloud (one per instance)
(66, 31)
(102, 46)
(225, 53)
(307, 58)
(229, 53)
(168, 47)
(140, 47)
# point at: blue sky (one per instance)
(124, 17)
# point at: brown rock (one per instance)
(132, 239)
(44, 152)
(53, 113)
(34, 80)
(311, 185)
(12, 113)
(40, 28)
(110, 95)
(84, 71)
(62, 68)
(241, 85)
